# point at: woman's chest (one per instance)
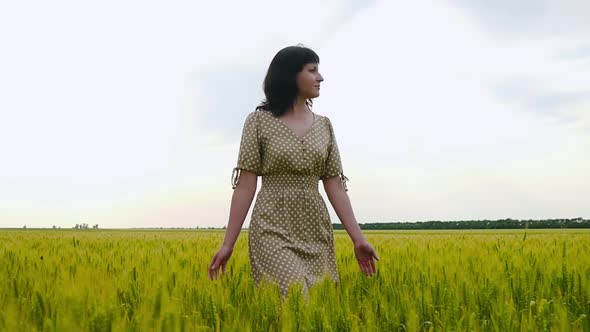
(283, 146)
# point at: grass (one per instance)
(443, 280)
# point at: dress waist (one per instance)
(290, 182)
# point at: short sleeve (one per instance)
(333, 164)
(249, 157)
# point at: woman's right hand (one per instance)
(219, 261)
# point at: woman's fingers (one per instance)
(212, 262)
(368, 266)
(218, 263)
(210, 271)
(213, 268)
(364, 267)
(216, 267)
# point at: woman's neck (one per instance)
(300, 107)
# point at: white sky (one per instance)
(129, 114)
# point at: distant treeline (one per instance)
(478, 224)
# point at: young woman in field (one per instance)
(290, 236)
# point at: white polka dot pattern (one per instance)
(290, 237)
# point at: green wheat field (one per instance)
(156, 280)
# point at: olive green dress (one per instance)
(290, 236)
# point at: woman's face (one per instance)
(308, 81)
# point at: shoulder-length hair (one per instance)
(280, 83)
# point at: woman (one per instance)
(290, 236)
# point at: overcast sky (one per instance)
(129, 113)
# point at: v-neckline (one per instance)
(292, 131)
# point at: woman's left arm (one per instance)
(341, 203)
(338, 197)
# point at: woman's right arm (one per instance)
(243, 181)
(240, 204)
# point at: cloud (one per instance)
(115, 103)
(540, 55)
(431, 110)
(527, 19)
(532, 95)
(122, 111)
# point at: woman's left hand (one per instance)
(365, 256)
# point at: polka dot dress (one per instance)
(290, 236)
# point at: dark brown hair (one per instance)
(280, 84)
